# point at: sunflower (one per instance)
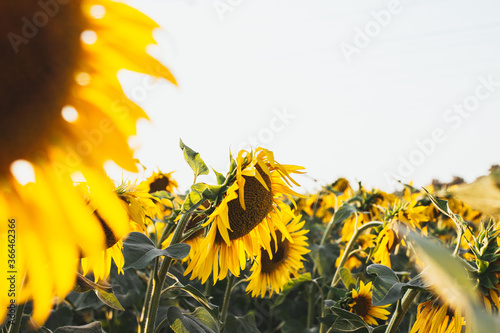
(139, 206)
(492, 299)
(247, 218)
(272, 273)
(437, 318)
(361, 304)
(64, 113)
(327, 201)
(160, 181)
(403, 215)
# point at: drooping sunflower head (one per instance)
(261, 184)
(433, 316)
(248, 215)
(271, 273)
(361, 304)
(64, 112)
(160, 181)
(139, 206)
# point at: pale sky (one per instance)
(359, 89)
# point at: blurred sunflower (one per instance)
(327, 201)
(247, 218)
(370, 206)
(403, 215)
(139, 206)
(160, 181)
(364, 241)
(437, 318)
(272, 273)
(361, 304)
(63, 112)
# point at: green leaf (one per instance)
(60, 316)
(177, 251)
(109, 299)
(348, 322)
(347, 278)
(323, 257)
(186, 323)
(343, 213)
(289, 286)
(105, 294)
(385, 280)
(441, 204)
(139, 251)
(337, 292)
(195, 196)
(194, 160)
(212, 191)
(206, 318)
(328, 320)
(344, 321)
(383, 272)
(220, 177)
(135, 246)
(200, 298)
(380, 329)
(241, 324)
(94, 327)
(398, 290)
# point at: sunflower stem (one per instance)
(227, 297)
(149, 293)
(160, 325)
(459, 241)
(310, 307)
(327, 231)
(401, 309)
(343, 259)
(159, 279)
(166, 232)
(14, 328)
(348, 251)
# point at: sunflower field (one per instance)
(249, 253)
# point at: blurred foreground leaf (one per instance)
(483, 194)
(449, 279)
